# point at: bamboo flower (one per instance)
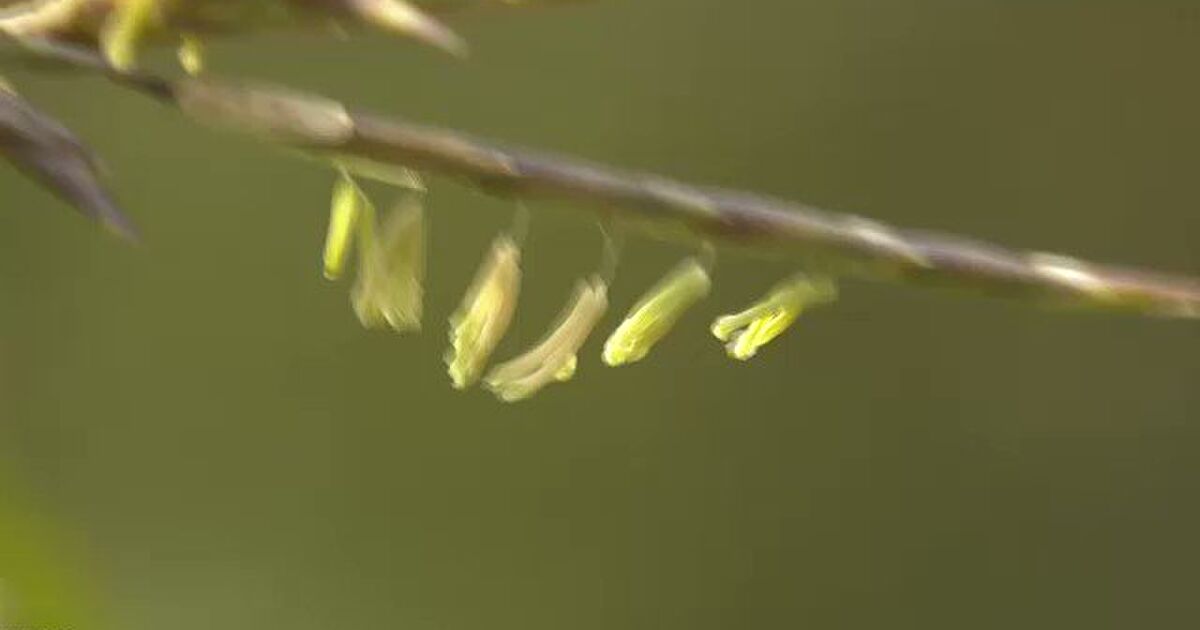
(345, 212)
(480, 322)
(125, 29)
(746, 332)
(656, 313)
(191, 54)
(391, 268)
(554, 358)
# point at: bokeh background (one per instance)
(218, 444)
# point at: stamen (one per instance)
(482, 319)
(345, 212)
(392, 268)
(125, 30)
(746, 332)
(554, 358)
(656, 313)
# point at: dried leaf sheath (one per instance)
(49, 153)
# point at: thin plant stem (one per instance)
(829, 242)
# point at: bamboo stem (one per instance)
(832, 242)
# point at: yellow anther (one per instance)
(345, 212)
(126, 28)
(391, 268)
(746, 332)
(191, 55)
(656, 313)
(554, 358)
(567, 371)
(482, 319)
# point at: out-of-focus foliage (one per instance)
(39, 587)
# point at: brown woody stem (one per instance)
(832, 242)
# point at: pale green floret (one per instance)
(346, 210)
(656, 313)
(746, 332)
(482, 319)
(554, 358)
(391, 268)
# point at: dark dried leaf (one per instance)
(52, 155)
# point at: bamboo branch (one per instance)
(837, 243)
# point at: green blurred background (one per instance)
(224, 447)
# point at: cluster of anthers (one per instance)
(390, 247)
(387, 293)
(106, 36)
